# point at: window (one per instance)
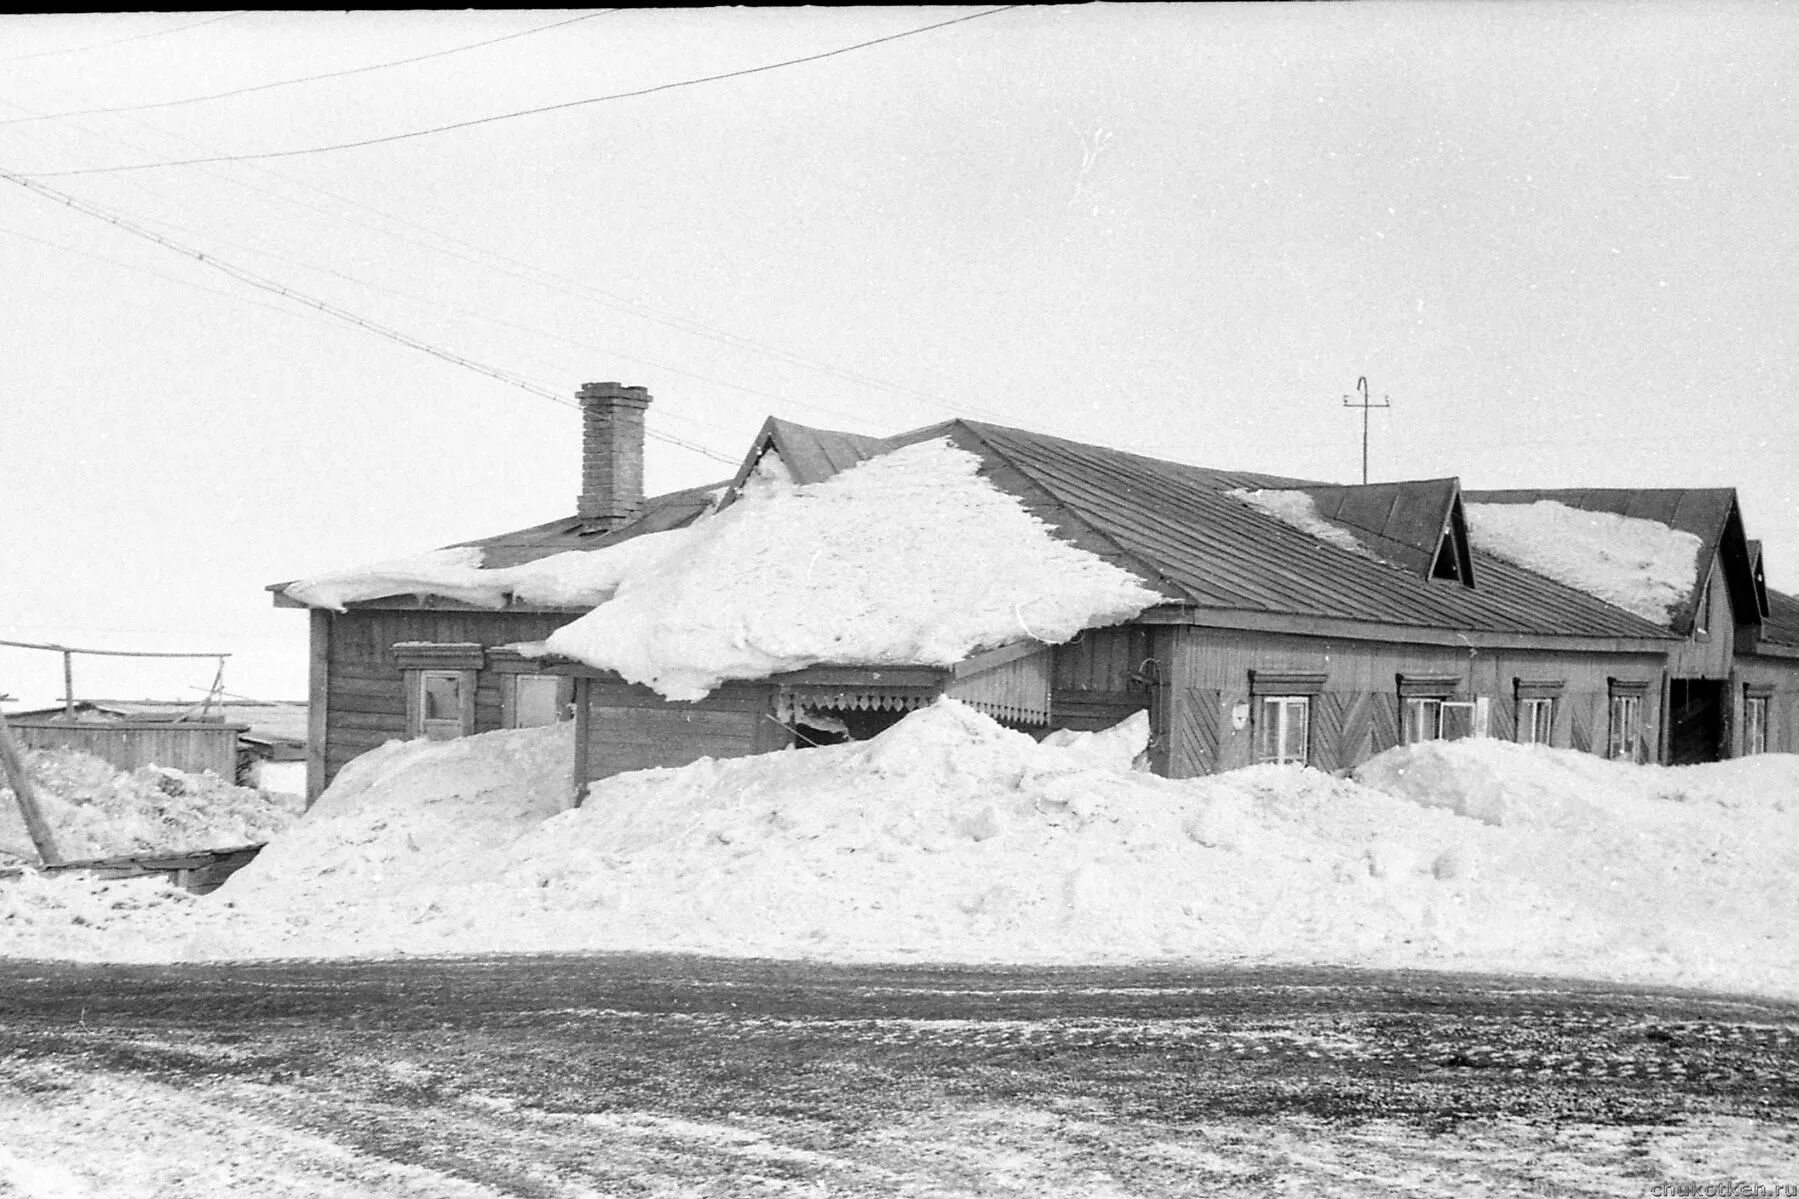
(1536, 709)
(1428, 713)
(1283, 714)
(1536, 720)
(1755, 719)
(1625, 739)
(1283, 729)
(440, 704)
(536, 700)
(440, 687)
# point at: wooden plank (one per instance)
(26, 796)
(318, 702)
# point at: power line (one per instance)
(263, 87)
(508, 116)
(137, 37)
(325, 306)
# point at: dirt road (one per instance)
(639, 1075)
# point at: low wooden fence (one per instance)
(128, 744)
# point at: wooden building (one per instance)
(1380, 623)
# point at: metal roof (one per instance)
(659, 513)
(1708, 513)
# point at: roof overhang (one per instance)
(1357, 630)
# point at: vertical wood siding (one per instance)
(632, 728)
(129, 744)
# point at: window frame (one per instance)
(420, 661)
(1421, 700)
(509, 697)
(1283, 706)
(1757, 698)
(1624, 740)
(1536, 695)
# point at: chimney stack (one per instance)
(611, 454)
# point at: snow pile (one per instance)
(910, 558)
(97, 811)
(574, 579)
(951, 838)
(1642, 566)
(1298, 509)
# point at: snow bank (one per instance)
(910, 558)
(951, 838)
(1642, 566)
(97, 811)
(1298, 509)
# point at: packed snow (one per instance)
(95, 810)
(910, 558)
(952, 838)
(1642, 566)
(573, 579)
(1300, 510)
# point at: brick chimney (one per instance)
(611, 454)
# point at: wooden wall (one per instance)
(364, 692)
(1708, 657)
(1782, 674)
(129, 744)
(624, 726)
(1104, 675)
(1210, 724)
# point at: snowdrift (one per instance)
(951, 838)
(97, 811)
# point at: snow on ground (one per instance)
(910, 558)
(1642, 566)
(952, 838)
(97, 811)
(1298, 509)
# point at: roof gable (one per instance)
(1417, 524)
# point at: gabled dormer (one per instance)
(1416, 525)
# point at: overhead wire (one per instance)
(263, 87)
(339, 312)
(138, 37)
(529, 112)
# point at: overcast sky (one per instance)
(1559, 238)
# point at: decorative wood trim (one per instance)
(1537, 688)
(1758, 690)
(1285, 682)
(1637, 687)
(509, 659)
(439, 655)
(1428, 686)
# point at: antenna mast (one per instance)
(1362, 386)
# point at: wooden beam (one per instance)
(35, 824)
(1356, 630)
(990, 659)
(318, 704)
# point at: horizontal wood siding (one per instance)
(628, 727)
(1357, 714)
(365, 690)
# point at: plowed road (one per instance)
(641, 1075)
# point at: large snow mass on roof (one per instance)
(1641, 566)
(1298, 509)
(574, 579)
(952, 838)
(910, 558)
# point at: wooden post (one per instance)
(14, 762)
(68, 684)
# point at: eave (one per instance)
(1359, 630)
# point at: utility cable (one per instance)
(136, 37)
(263, 87)
(325, 306)
(528, 112)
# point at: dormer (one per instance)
(1416, 525)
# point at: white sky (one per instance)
(1560, 238)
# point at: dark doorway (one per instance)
(1695, 721)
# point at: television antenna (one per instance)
(1365, 405)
